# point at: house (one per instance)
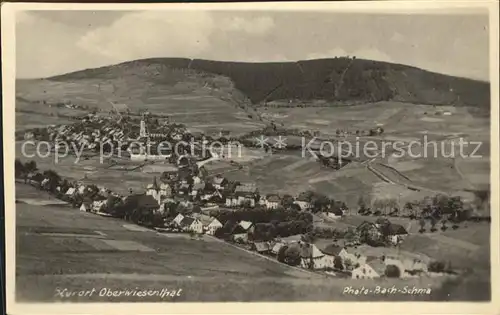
(303, 202)
(191, 225)
(246, 193)
(213, 226)
(322, 255)
(141, 202)
(164, 205)
(170, 175)
(313, 258)
(45, 183)
(210, 224)
(208, 195)
(158, 192)
(306, 255)
(177, 220)
(276, 248)
(196, 180)
(238, 233)
(183, 189)
(232, 201)
(81, 189)
(70, 192)
(397, 233)
(291, 239)
(197, 189)
(272, 201)
(86, 207)
(165, 190)
(371, 269)
(370, 229)
(334, 214)
(262, 247)
(219, 182)
(331, 251)
(247, 226)
(98, 205)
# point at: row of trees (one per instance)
(262, 216)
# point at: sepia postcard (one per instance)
(221, 158)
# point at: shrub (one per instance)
(392, 271)
(436, 266)
(337, 263)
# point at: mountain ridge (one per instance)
(330, 79)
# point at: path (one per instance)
(403, 181)
(456, 165)
(341, 79)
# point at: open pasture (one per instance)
(474, 171)
(199, 108)
(271, 174)
(26, 121)
(438, 174)
(400, 121)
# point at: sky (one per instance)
(56, 42)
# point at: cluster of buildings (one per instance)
(94, 131)
(359, 262)
(186, 187)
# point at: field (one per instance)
(200, 108)
(100, 252)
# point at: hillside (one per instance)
(338, 79)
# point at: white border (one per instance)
(389, 7)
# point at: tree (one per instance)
(378, 205)
(422, 225)
(19, 168)
(385, 226)
(392, 271)
(112, 203)
(54, 179)
(436, 266)
(337, 263)
(29, 167)
(282, 253)
(287, 201)
(348, 264)
(361, 205)
(455, 204)
(443, 225)
(408, 207)
(292, 256)
(320, 202)
(434, 221)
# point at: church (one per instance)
(158, 192)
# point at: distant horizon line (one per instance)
(251, 62)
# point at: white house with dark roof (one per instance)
(370, 270)
(210, 224)
(246, 225)
(192, 225)
(272, 201)
(177, 220)
(219, 182)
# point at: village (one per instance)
(304, 231)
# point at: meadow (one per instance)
(200, 108)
